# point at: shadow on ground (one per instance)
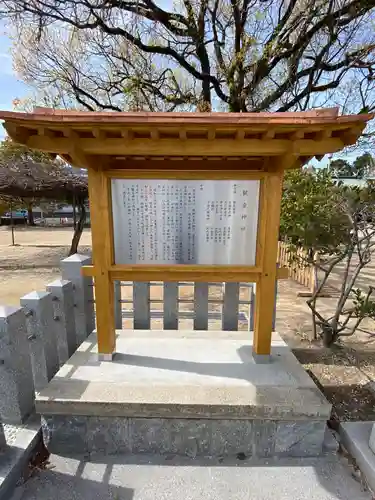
(167, 478)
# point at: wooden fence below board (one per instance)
(198, 306)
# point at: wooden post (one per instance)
(314, 274)
(267, 243)
(11, 221)
(103, 254)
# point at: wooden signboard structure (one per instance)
(141, 153)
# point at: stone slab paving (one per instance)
(149, 478)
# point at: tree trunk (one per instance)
(74, 212)
(30, 215)
(78, 229)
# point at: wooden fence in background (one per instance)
(299, 270)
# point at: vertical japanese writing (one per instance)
(197, 222)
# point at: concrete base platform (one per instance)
(185, 393)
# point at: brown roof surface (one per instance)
(48, 115)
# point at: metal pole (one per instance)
(11, 222)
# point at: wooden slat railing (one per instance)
(296, 262)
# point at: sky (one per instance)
(10, 87)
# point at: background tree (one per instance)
(338, 223)
(362, 167)
(13, 153)
(3, 207)
(233, 55)
(28, 175)
(340, 168)
(309, 215)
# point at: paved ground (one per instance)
(147, 478)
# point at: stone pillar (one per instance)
(3, 441)
(41, 329)
(17, 394)
(63, 304)
(118, 305)
(83, 294)
(372, 439)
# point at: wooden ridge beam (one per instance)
(190, 165)
(185, 174)
(189, 147)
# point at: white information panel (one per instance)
(185, 222)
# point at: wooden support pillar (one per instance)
(267, 247)
(102, 245)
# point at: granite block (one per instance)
(63, 303)
(171, 436)
(230, 437)
(189, 437)
(108, 435)
(186, 437)
(66, 434)
(17, 395)
(15, 458)
(150, 435)
(2, 437)
(84, 317)
(354, 438)
(42, 336)
(299, 439)
(263, 438)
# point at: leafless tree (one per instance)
(234, 55)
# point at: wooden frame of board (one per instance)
(185, 146)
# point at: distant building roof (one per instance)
(351, 181)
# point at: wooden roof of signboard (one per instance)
(111, 139)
